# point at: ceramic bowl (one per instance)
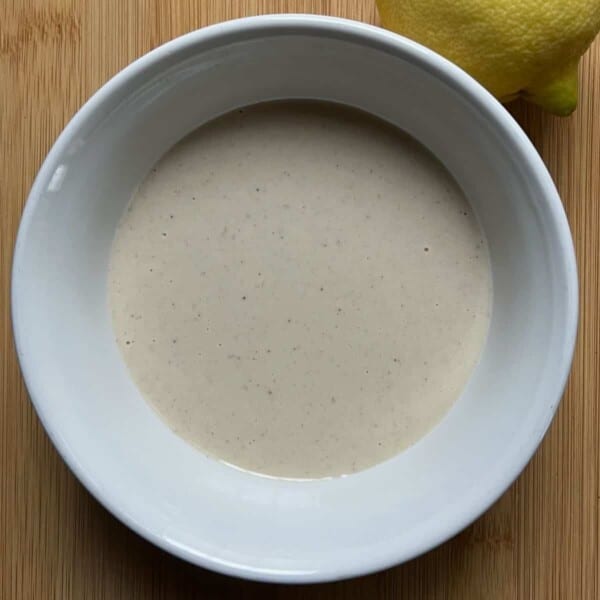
(202, 510)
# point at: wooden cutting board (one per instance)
(539, 541)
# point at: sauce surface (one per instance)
(300, 290)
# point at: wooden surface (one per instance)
(539, 541)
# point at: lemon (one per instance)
(528, 48)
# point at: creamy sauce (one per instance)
(300, 290)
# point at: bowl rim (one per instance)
(451, 75)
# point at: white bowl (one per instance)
(195, 507)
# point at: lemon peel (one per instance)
(527, 48)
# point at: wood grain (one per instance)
(539, 541)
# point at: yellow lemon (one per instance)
(528, 48)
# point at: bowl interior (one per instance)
(216, 515)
